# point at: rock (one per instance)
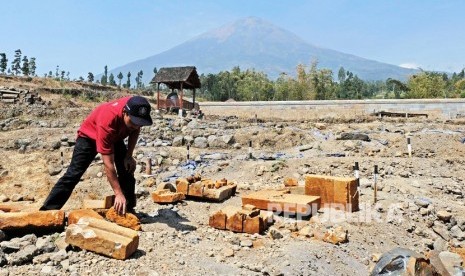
(353, 136)
(127, 220)
(216, 156)
(2, 235)
(23, 256)
(304, 147)
(200, 142)
(3, 260)
(452, 262)
(457, 233)
(54, 169)
(441, 231)
(443, 215)
(274, 233)
(47, 269)
(59, 256)
(16, 198)
(246, 243)
(306, 231)
(178, 141)
(45, 244)
(227, 139)
(4, 198)
(228, 252)
(336, 235)
(423, 202)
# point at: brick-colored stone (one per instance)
(32, 222)
(166, 196)
(240, 220)
(218, 220)
(234, 218)
(334, 190)
(196, 189)
(103, 237)
(290, 182)
(105, 203)
(282, 201)
(75, 215)
(166, 186)
(220, 194)
(127, 220)
(253, 225)
(182, 186)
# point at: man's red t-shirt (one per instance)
(105, 125)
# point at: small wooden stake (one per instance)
(375, 176)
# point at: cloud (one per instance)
(410, 65)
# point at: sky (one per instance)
(82, 36)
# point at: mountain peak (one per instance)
(252, 42)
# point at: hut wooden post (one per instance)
(193, 99)
(181, 101)
(158, 96)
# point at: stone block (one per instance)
(103, 237)
(127, 220)
(341, 191)
(75, 215)
(105, 203)
(254, 225)
(166, 196)
(32, 222)
(239, 220)
(182, 186)
(290, 182)
(283, 202)
(196, 189)
(218, 220)
(221, 193)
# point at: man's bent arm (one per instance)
(110, 171)
(132, 140)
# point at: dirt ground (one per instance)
(176, 239)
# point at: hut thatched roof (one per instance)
(174, 76)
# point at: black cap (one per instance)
(138, 109)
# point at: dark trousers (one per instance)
(83, 154)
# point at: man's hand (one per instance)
(130, 164)
(120, 204)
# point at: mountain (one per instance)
(255, 43)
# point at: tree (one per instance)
(16, 63)
(3, 63)
(90, 77)
(128, 82)
(25, 67)
(112, 80)
(155, 71)
(57, 73)
(104, 78)
(120, 77)
(139, 83)
(32, 66)
(426, 85)
(62, 75)
(341, 75)
(397, 87)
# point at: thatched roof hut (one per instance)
(177, 78)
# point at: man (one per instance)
(104, 131)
